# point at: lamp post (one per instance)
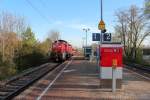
(86, 31)
(83, 39)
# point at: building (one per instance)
(87, 51)
(146, 54)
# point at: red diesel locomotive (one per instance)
(61, 50)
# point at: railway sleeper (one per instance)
(35, 76)
(12, 87)
(7, 90)
(3, 94)
(16, 84)
(19, 82)
(26, 79)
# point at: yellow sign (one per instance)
(114, 63)
(101, 25)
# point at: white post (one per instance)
(86, 37)
(113, 79)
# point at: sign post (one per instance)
(101, 26)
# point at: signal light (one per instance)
(103, 31)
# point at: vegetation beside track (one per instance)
(19, 49)
(31, 53)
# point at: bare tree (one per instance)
(11, 27)
(54, 35)
(11, 23)
(133, 29)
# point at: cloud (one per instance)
(75, 24)
(79, 26)
(57, 23)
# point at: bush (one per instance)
(7, 69)
(24, 53)
(29, 57)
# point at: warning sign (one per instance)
(101, 25)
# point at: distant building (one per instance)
(146, 54)
(87, 51)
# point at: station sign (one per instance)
(106, 37)
(96, 37)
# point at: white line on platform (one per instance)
(138, 74)
(68, 71)
(49, 86)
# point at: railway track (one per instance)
(17, 84)
(140, 69)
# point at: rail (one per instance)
(14, 86)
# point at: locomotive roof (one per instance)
(61, 41)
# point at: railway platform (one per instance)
(79, 80)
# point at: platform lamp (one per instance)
(86, 31)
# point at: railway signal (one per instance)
(103, 31)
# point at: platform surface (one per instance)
(80, 81)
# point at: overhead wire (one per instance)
(43, 3)
(38, 11)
